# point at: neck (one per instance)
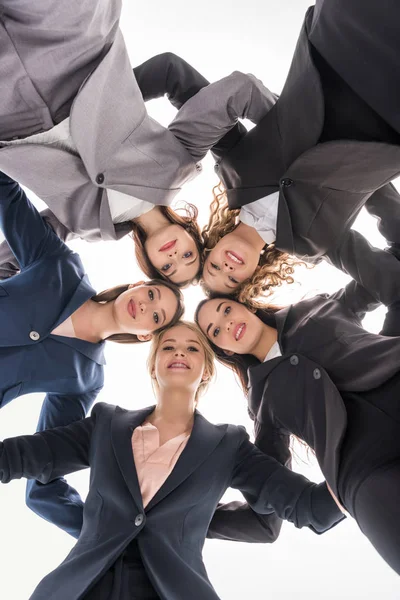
(174, 406)
(267, 339)
(94, 322)
(250, 236)
(152, 221)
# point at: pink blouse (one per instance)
(154, 463)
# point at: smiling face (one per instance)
(230, 326)
(231, 262)
(173, 253)
(143, 309)
(180, 359)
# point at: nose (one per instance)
(179, 352)
(142, 307)
(228, 268)
(229, 325)
(172, 253)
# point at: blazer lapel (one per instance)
(122, 426)
(203, 440)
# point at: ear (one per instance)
(228, 352)
(144, 337)
(132, 285)
(153, 374)
(205, 376)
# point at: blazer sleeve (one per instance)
(8, 263)
(49, 454)
(269, 487)
(211, 113)
(27, 234)
(238, 522)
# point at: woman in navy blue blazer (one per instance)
(53, 327)
(137, 545)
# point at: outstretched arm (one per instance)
(270, 487)
(210, 114)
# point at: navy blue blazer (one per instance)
(171, 530)
(51, 285)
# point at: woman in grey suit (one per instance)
(311, 370)
(157, 475)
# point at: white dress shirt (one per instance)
(274, 352)
(122, 207)
(262, 215)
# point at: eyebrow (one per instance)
(158, 292)
(218, 309)
(173, 340)
(164, 316)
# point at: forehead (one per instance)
(185, 273)
(180, 332)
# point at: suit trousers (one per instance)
(125, 580)
(369, 471)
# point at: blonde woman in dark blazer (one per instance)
(157, 475)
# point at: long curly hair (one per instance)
(274, 267)
(187, 220)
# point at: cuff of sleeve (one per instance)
(325, 510)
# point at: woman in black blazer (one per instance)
(129, 551)
(314, 372)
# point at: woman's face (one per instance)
(143, 309)
(173, 252)
(180, 359)
(230, 325)
(230, 263)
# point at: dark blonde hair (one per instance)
(188, 221)
(208, 353)
(112, 294)
(274, 267)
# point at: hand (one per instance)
(341, 508)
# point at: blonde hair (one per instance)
(208, 353)
(274, 266)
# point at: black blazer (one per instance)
(322, 186)
(171, 530)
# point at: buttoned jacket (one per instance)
(170, 531)
(325, 351)
(51, 285)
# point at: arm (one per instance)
(27, 234)
(47, 455)
(270, 487)
(8, 263)
(210, 114)
(376, 273)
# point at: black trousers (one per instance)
(369, 472)
(125, 580)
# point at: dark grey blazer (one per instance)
(171, 529)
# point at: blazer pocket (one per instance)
(3, 292)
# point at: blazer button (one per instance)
(286, 182)
(100, 178)
(199, 167)
(34, 336)
(139, 520)
(294, 360)
(317, 374)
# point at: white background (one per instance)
(216, 37)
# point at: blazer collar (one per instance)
(203, 440)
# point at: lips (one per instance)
(167, 246)
(178, 364)
(239, 331)
(132, 308)
(234, 257)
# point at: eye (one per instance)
(166, 267)
(188, 254)
(151, 295)
(168, 348)
(216, 332)
(227, 310)
(232, 279)
(193, 349)
(216, 267)
(155, 318)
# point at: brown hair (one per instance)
(274, 266)
(112, 294)
(208, 352)
(188, 221)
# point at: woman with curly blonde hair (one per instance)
(238, 260)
